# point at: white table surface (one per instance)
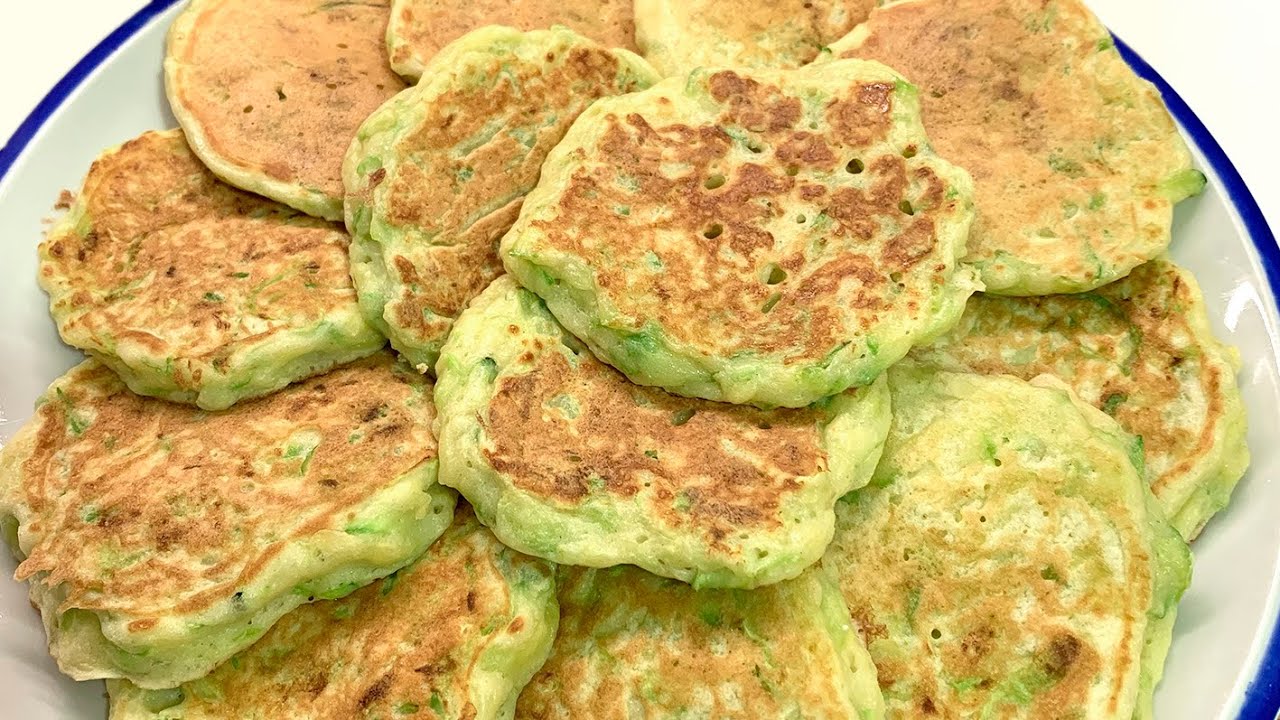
(1221, 55)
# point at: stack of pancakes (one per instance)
(817, 361)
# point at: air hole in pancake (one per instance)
(575, 458)
(793, 170)
(713, 232)
(909, 151)
(713, 182)
(854, 166)
(280, 93)
(982, 518)
(895, 276)
(755, 147)
(936, 634)
(776, 275)
(905, 206)
(800, 219)
(765, 426)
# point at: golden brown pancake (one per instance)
(1076, 163)
(271, 93)
(420, 28)
(770, 237)
(160, 539)
(192, 290)
(566, 460)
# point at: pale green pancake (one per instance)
(1139, 349)
(159, 540)
(270, 93)
(193, 291)
(457, 634)
(762, 237)
(566, 460)
(634, 645)
(680, 35)
(1007, 559)
(437, 174)
(1076, 163)
(420, 28)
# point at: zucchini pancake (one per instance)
(634, 645)
(270, 93)
(456, 634)
(1076, 163)
(1007, 559)
(437, 174)
(160, 540)
(1140, 350)
(763, 237)
(680, 35)
(566, 460)
(192, 290)
(420, 28)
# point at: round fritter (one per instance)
(159, 540)
(420, 28)
(456, 634)
(1076, 163)
(271, 93)
(192, 290)
(680, 35)
(629, 639)
(1007, 560)
(566, 460)
(769, 237)
(437, 174)
(1139, 349)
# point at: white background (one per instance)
(1222, 56)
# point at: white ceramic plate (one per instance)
(1225, 661)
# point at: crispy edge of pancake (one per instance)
(1024, 277)
(601, 536)
(256, 368)
(813, 599)
(1166, 551)
(497, 673)
(184, 646)
(648, 355)
(373, 237)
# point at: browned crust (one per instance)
(835, 283)
(143, 507)
(710, 468)
(168, 259)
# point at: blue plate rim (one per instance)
(1262, 695)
